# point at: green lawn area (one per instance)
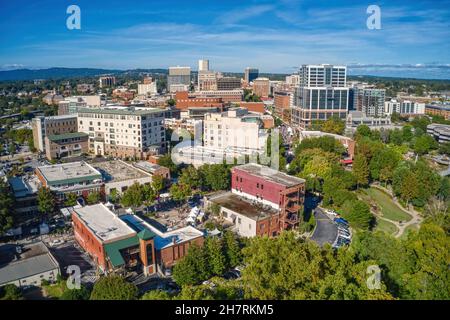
(388, 208)
(55, 290)
(385, 226)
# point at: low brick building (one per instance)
(123, 243)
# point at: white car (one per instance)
(345, 236)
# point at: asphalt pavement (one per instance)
(326, 231)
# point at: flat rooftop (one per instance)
(147, 166)
(104, 223)
(117, 170)
(243, 206)
(270, 174)
(163, 239)
(71, 172)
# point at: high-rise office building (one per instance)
(179, 75)
(322, 94)
(203, 65)
(369, 100)
(250, 74)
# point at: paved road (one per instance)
(326, 230)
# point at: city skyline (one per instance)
(274, 37)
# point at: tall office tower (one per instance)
(250, 74)
(369, 100)
(322, 94)
(203, 65)
(179, 75)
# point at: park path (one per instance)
(401, 227)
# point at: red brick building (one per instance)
(263, 201)
(184, 100)
(281, 102)
(253, 106)
(125, 243)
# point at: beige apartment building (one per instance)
(207, 80)
(45, 126)
(123, 132)
(235, 128)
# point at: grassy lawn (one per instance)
(388, 208)
(385, 226)
(55, 290)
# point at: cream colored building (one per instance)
(235, 128)
(147, 88)
(123, 132)
(207, 80)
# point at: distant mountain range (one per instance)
(63, 73)
(58, 73)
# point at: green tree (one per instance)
(133, 196)
(216, 258)
(232, 249)
(46, 201)
(333, 125)
(289, 268)
(363, 131)
(71, 200)
(191, 177)
(156, 295)
(180, 192)
(7, 216)
(358, 214)
(361, 170)
(93, 197)
(215, 176)
(407, 134)
(10, 292)
(76, 294)
(114, 288)
(424, 144)
(158, 183)
(192, 268)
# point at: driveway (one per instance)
(326, 231)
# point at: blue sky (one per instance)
(274, 36)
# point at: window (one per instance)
(239, 220)
(257, 185)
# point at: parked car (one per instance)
(341, 221)
(348, 237)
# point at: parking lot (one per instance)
(70, 253)
(326, 231)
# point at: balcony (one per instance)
(293, 208)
